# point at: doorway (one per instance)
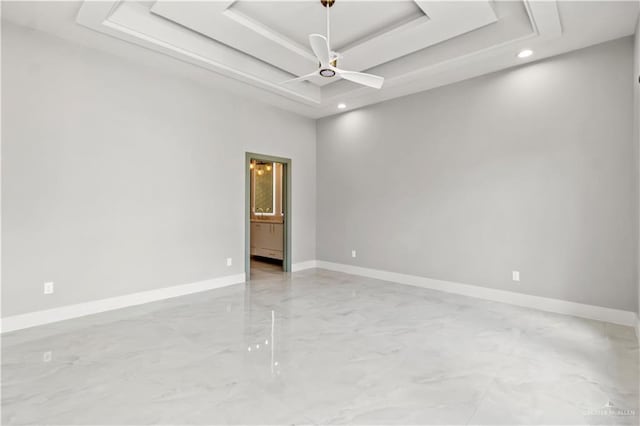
(267, 216)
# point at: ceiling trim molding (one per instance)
(269, 33)
(106, 17)
(545, 17)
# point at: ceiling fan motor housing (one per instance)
(328, 72)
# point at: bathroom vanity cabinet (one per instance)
(267, 239)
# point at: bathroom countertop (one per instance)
(266, 221)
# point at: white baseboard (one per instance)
(300, 266)
(32, 319)
(615, 316)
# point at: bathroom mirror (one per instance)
(264, 188)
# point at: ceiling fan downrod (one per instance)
(334, 62)
(327, 4)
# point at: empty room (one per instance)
(245, 212)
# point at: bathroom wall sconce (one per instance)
(259, 167)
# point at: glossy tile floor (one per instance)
(262, 269)
(320, 347)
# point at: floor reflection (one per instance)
(320, 347)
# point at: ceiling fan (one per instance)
(329, 60)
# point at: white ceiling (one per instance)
(251, 47)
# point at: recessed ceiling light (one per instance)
(525, 53)
(341, 106)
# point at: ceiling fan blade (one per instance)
(369, 80)
(302, 78)
(320, 47)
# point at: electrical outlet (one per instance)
(229, 261)
(353, 253)
(48, 288)
(515, 276)
(47, 356)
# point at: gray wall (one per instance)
(636, 127)
(117, 178)
(529, 169)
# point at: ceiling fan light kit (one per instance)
(328, 60)
(327, 72)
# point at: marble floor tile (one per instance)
(321, 347)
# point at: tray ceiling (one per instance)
(415, 45)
